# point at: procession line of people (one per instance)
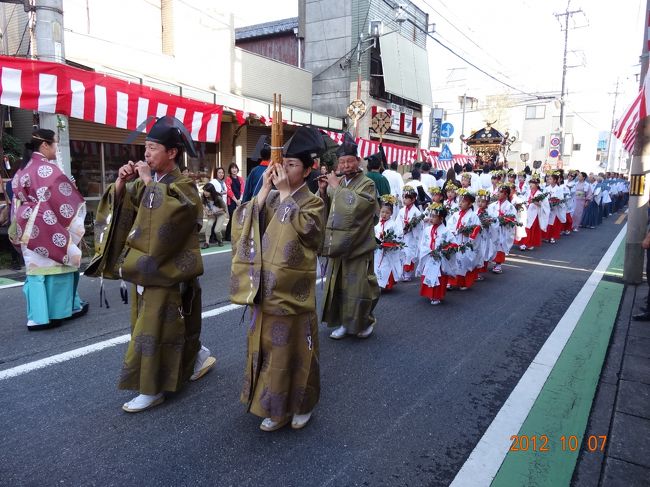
(451, 241)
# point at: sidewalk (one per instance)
(621, 408)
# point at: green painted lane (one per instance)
(550, 439)
(7, 282)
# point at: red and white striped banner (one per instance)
(401, 154)
(628, 125)
(58, 88)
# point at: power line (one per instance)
(453, 25)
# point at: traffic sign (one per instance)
(555, 142)
(446, 140)
(446, 129)
(554, 153)
(445, 154)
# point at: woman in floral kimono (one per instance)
(276, 236)
(48, 225)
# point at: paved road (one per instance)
(405, 407)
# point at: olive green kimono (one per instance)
(351, 291)
(149, 237)
(274, 272)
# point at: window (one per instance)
(541, 141)
(535, 112)
(86, 165)
(576, 146)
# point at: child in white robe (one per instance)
(433, 266)
(388, 255)
(536, 215)
(506, 216)
(484, 243)
(465, 226)
(411, 221)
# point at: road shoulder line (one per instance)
(486, 459)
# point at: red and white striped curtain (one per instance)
(58, 88)
(401, 154)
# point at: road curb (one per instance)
(559, 416)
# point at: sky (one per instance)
(520, 42)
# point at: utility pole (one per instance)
(637, 218)
(611, 141)
(462, 125)
(48, 45)
(565, 27)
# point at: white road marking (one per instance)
(485, 460)
(19, 284)
(96, 347)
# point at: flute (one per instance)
(341, 174)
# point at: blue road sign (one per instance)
(446, 129)
(445, 154)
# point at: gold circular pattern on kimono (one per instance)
(286, 211)
(35, 232)
(19, 231)
(301, 289)
(27, 212)
(234, 284)
(166, 233)
(169, 313)
(293, 253)
(274, 404)
(280, 333)
(269, 282)
(186, 261)
(146, 265)
(246, 249)
(153, 197)
(146, 345)
(66, 210)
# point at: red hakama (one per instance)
(436, 293)
(534, 235)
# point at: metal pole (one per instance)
(566, 43)
(611, 133)
(48, 45)
(637, 220)
(462, 124)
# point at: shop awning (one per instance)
(401, 153)
(406, 69)
(59, 88)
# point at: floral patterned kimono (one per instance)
(48, 225)
(274, 272)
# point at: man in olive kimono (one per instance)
(276, 237)
(351, 292)
(146, 233)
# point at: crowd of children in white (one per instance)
(462, 228)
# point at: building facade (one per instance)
(186, 48)
(369, 51)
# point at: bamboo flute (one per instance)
(277, 138)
